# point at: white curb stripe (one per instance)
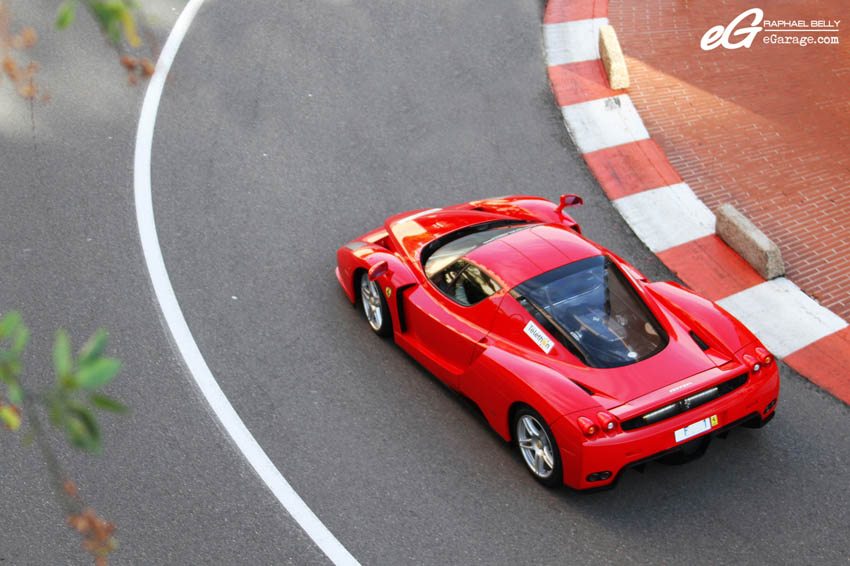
(605, 122)
(219, 403)
(572, 42)
(783, 317)
(666, 217)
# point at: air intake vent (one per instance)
(703, 346)
(690, 402)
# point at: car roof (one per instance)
(523, 254)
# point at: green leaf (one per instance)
(109, 16)
(63, 363)
(10, 417)
(82, 429)
(22, 338)
(107, 403)
(65, 14)
(9, 323)
(98, 373)
(7, 361)
(93, 347)
(75, 431)
(15, 393)
(10, 366)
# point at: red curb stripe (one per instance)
(631, 168)
(568, 11)
(825, 363)
(707, 265)
(710, 267)
(579, 82)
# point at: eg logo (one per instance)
(719, 35)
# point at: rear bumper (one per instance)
(752, 404)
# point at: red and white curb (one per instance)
(667, 216)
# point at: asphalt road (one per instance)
(285, 130)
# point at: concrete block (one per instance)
(743, 237)
(612, 58)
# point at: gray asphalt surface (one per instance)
(287, 129)
(174, 485)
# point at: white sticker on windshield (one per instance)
(535, 333)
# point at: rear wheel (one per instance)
(375, 306)
(538, 448)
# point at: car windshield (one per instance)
(592, 309)
(456, 245)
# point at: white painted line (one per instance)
(666, 217)
(572, 42)
(219, 403)
(783, 317)
(606, 122)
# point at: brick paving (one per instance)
(766, 129)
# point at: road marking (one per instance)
(667, 216)
(783, 317)
(173, 315)
(604, 122)
(567, 42)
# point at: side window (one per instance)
(465, 283)
(477, 285)
(445, 279)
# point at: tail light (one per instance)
(607, 421)
(752, 363)
(587, 426)
(764, 356)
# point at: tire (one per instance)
(375, 306)
(537, 447)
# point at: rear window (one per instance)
(592, 308)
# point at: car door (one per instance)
(450, 316)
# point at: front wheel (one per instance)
(375, 306)
(538, 448)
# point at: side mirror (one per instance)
(377, 270)
(569, 200)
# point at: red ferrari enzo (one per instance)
(569, 351)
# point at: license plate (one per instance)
(696, 428)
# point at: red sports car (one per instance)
(569, 351)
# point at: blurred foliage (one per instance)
(118, 20)
(73, 403)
